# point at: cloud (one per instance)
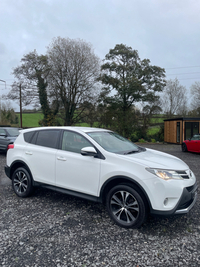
(2, 49)
(166, 32)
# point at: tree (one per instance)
(28, 94)
(90, 113)
(7, 114)
(147, 113)
(74, 69)
(174, 99)
(32, 76)
(130, 80)
(195, 92)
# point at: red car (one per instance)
(192, 144)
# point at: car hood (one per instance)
(156, 159)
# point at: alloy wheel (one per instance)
(20, 182)
(124, 207)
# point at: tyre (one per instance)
(184, 147)
(126, 206)
(22, 182)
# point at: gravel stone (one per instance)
(53, 229)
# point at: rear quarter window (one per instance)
(28, 136)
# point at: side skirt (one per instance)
(69, 192)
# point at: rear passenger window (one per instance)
(48, 138)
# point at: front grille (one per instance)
(183, 174)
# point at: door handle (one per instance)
(29, 153)
(61, 158)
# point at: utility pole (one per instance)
(0, 98)
(20, 103)
(4, 82)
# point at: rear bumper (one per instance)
(7, 171)
(185, 204)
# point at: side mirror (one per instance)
(88, 151)
(3, 135)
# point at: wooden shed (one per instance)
(179, 129)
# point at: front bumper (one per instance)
(184, 205)
(188, 199)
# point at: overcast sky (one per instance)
(165, 31)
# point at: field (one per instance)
(32, 120)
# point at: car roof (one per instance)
(72, 128)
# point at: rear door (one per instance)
(41, 155)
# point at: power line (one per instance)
(189, 78)
(182, 67)
(184, 73)
(29, 88)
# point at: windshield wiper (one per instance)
(131, 152)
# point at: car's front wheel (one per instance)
(184, 147)
(22, 182)
(126, 206)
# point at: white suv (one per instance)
(100, 165)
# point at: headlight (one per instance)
(164, 174)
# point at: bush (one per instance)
(142, 140)
(134, 138)
(159, 136)
(8, 116)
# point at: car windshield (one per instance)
(13, 131)
(113, 142)
(196, 137)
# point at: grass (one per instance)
(84, 124)
(30, 119)
(153, 130)
(157, 120)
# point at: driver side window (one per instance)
(74, 142)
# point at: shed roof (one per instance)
(183, 119)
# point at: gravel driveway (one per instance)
(53, 229)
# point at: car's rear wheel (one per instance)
(184, 147)
(22, 182)
(126, 206)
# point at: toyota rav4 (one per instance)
(100, 165)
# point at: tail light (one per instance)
(10, 146)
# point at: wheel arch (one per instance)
(117, 180)
(184, 147)
(18, 163)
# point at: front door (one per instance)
(73, 170)
(194, 144)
